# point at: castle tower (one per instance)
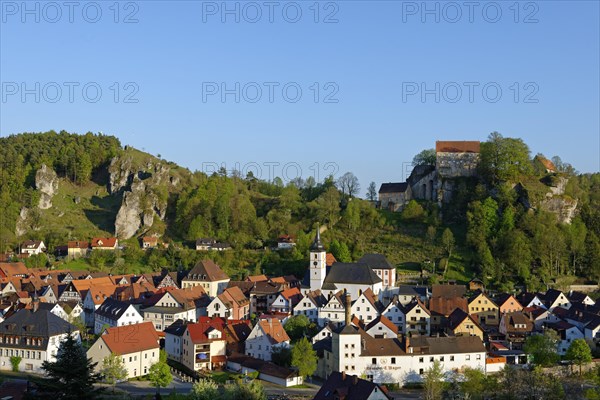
(318, 263)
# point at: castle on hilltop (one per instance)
(454, 159)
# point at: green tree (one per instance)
(160, 373)
(413, 211)
(348, 184)
(474, 385)
(425, 157)
(282, 356)
(340, 251)
(433, 382)
(71, 376)
(238, 391)
(327, 206)
(543, 348)
(372, 192)
(580, 353)
(14, 363)
(352, 215)
(297, 326)
(448, 244)
(304, 358)
(113, 370)
(504, 159)
(205, 389)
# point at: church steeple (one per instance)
(317, 245)
(318, 263)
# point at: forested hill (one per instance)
(506, 226)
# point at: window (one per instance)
(479, 356)
(421, 359)
(374, 361)
(467, 357)
(451, 358)
(431, 359)
(421, 371)
(442, 359)
(393, 360)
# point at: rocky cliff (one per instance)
(145, 186)
(46, 181)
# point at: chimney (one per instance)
(348, 308)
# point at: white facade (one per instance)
(395, 313)
(397, 366)
(259, 345)
(318, 269)
(308, 308)
(33, 357)
(364, 309)
(130, 317)
(333, 311)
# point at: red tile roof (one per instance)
(457, 146)
(104, 242)
(131, 338)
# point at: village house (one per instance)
(417, 318)
(137, 345)
(204, 344)
(576, 297)
(507, 303)
(107, 244)
(13, 270)
(286, 301)
(382, 328)
(476, 284)
(555, 298)
(395, 313)
(310, 305)
(394, 196)
(33, 247)
(366, 307)
(567, 333)
(231, 304)
(462, 324)
(77, 249)
(35, 336)
(263, 294)
(334, 310)
(340, 386)
(208, 275)
(285, 242)
(94, 297)
(530, 300)
(516, 327)
(441, 308)
(149, 242)
(172, 304)
(382, 267)
(482, 307)
(404, 294)
(266, 335)
(113, 313)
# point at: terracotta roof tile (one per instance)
(457, 146)
(131, 338)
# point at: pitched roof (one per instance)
(112, 309)
(502, 298)
(257, 278)
(462, 146)
(14, 269)
(40, 323)
(31, 244)
(199, 331)
(398, 187)
(207, 270)
(273, 329)
(330, 259)
(76, 244)
(340, 386)
(551, 296)
(457, 317)
(448, 291)
(104, 242)
(352, 273)
(385, 321)
(518, 318)
(444, 306)
(234, 295)
(317, 298)
(293, 295)
(131, 338)
(577, 297)
(376, 261)
(237, 331)
(447, 345)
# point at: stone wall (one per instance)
(456, 165)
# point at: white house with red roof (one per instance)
(287, 300)
(105, 243)
(137, 345)
(267, 335)
(204, 344)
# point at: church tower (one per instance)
(318, 263)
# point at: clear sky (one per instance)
(205, 83)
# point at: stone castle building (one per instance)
(454, 159)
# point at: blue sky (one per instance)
(372, 62)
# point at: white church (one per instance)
(355, 278)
